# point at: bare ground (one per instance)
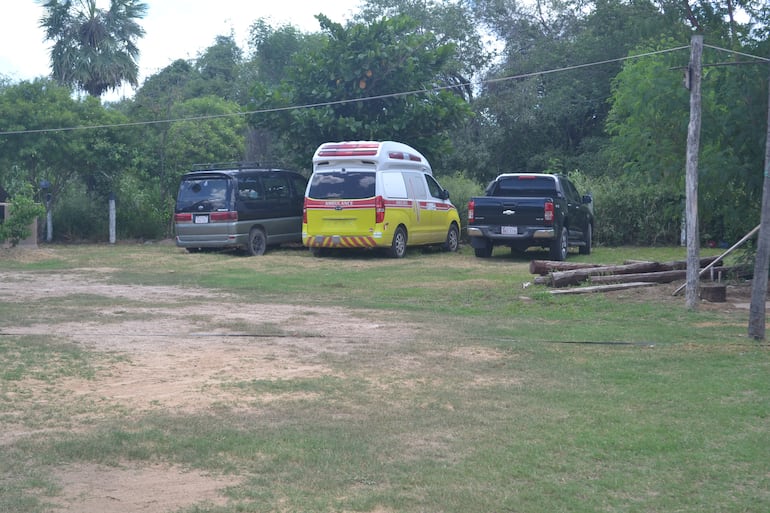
(175, 347)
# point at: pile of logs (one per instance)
(627, 275)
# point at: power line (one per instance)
(368, 98)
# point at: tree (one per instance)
(554, 113)
(648, 127)
(219, 68)
(357, 80)
(94, 50)
(452, 23)
(46, 147)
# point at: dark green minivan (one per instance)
(239, 206)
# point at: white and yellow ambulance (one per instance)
(376, 194)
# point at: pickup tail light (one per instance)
(471, 208)
(548, 212)
(379, 209)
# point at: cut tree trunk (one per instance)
(603, 288)
(543, 267)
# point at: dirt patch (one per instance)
(149, 489)
(177, 350)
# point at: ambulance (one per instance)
(376, 194)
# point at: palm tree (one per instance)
(94, 49)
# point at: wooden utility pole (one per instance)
(693, 82)
(759, 282)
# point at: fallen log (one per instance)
(669, 276)
(543, 267)
(653, 277)
(566, 278)
(603, 288)
(676, 265)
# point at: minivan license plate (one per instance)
(509, 230)
(201, 219)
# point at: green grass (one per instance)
(509, 399)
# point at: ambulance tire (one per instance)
(452, 239)
(319, 252)
(398, 246)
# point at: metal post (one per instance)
(112, 218)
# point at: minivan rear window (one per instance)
(203, 194)
(342, 184)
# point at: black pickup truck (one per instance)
(521, 210)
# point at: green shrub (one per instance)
(22, 211)
(461, 190)
(78, 216)
(138, 214)
(631, 213)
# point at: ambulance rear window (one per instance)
(342, 185)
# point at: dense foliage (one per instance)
(592, 89)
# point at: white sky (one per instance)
(174, 29)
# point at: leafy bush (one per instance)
(633, 213)
(461, 190)
(138, 215)
(78, 216)
(22, 211)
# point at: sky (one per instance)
(174, 29)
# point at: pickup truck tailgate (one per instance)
(509, 211)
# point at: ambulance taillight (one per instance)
(379, 209)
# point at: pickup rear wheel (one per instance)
(585, 249)
(398, 246)
(559, 245)
(485, 251)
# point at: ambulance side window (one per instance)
(415, 184)
(435, 189)
(393, 185)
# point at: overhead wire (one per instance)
(368, 98)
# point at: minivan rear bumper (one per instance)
(212, 241)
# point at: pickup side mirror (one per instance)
(587, 199)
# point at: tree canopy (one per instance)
(376, 81)
(94, 50)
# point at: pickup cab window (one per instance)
(534, 186)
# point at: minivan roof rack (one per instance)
(221, 166)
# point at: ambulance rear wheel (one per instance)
(452, 239)
(398, 246)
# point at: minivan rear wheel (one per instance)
(398, 246)
(257, 242)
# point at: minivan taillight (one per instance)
(230, 215)
(184, 217)
(304, 212)
(379, 209)
(548, 212)
(471, 213)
